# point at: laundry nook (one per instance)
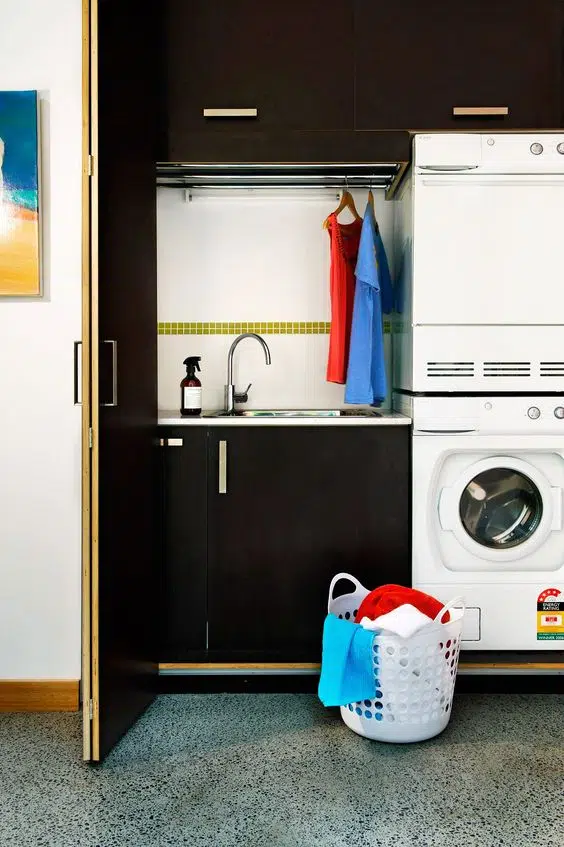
(282, 454)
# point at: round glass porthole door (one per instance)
(500, 508)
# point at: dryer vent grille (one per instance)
(450, 369)
(507, 369)
(552, 369)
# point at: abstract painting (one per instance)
(19, 195)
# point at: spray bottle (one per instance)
(191, 389)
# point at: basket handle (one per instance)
(350, 578)
(456, 601)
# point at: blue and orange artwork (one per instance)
(19, 194)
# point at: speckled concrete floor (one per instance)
(279, 770)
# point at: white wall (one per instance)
(40, 47)
(250, 256)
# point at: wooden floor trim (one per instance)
(530, 666)
(235, 666)
(39, 695)
(313, 666)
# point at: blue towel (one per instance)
(366, 374)
(347, 671)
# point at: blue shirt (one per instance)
(366, 375)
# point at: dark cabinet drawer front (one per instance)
(499, 59)
(239, 64)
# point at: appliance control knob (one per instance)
(560, 147)
(536, 148)
(559, 412)
(534, 412)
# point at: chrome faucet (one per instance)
(231, 396)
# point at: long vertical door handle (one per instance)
(77, 382)
(114, 374)
(222, 467)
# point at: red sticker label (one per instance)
(548, 592)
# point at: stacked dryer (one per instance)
(479, 365)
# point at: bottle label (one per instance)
(192, 398)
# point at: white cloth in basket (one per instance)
(404, 621)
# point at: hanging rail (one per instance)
(380, 175)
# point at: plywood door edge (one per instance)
(39, 695)
(392, 190)
(533, 666)
(86, 499)
(313, 666)
(94, 395)
(216, 666)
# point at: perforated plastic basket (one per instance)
(415, 676)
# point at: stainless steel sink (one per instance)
(297, 413)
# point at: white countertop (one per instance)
(383, 418)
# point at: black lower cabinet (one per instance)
(184, 542)
(293, 507)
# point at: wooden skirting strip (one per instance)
(529, 666)
(239, 666)
(313, 666)
(39, 695)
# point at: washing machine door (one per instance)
(501, 509)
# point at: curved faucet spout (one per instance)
(231, 397)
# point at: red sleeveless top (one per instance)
(345, 239)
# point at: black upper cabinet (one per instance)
(311, 74)
(282, 59)
(300, 505)
(416, 62)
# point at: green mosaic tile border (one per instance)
(236, 328)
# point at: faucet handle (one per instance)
(242, 398)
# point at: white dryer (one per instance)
(488, 521)
(478, 235)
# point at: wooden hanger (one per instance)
(371, 203)
(347, 202)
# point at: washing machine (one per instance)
(487, 513)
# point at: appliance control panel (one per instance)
(501, 414)
(494, 153)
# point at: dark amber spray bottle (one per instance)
(191, 389)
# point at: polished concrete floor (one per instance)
(280, 770)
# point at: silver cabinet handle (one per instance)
(77, 382)
(230, 113)
(447, 168)
(480, 111)
(171, 442)
(114, 374)
(222, 488)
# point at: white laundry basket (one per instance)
(414, 676)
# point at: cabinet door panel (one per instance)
(301, 505)
(439, 55)
(281, 59)
(184, 535)
(122, 648)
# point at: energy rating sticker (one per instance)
(550, 615)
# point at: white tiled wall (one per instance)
(250, 256)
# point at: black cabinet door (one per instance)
(300, 505)
(292, 62)
(418, 62)
(124, 579)
(184, 536)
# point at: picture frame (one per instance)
(20, 217)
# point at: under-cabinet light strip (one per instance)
(236, 328)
